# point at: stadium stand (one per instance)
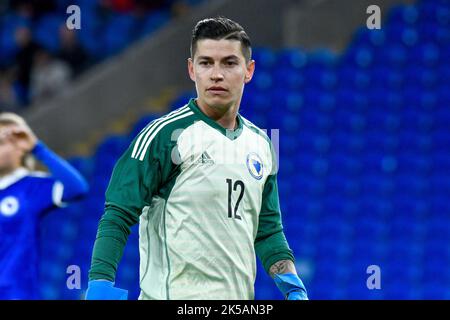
(28, 27)
(364, 163)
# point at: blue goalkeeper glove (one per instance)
(291, 286)
(104, 290)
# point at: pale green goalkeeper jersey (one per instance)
(206, 200)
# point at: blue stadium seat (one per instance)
(9, 24)
(286, 78)
(46, 31)
(404, 14)
(262, 80)
(118, 33)
(428, 54)
(292, 58)
(84, 165)
(153, 22)
(265, 58)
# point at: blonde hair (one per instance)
(9, 118)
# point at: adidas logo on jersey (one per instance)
(205, 158)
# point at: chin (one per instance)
(218, 102)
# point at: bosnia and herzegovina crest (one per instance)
(255, 165)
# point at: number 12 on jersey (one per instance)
(233, 188)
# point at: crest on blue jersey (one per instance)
(9, 206)
(255, 165)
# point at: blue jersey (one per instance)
(24, 197)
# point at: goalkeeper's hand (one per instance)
(104, 290)
(291, 286)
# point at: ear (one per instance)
(191, 69)
(250, 70)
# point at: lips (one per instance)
(217, 89)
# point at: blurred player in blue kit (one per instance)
(25, 197)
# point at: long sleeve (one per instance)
(132, 185)
(74, 185)
(271, 244)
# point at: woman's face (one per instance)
(10, 155)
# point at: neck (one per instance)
(225, 116)
(6, 171)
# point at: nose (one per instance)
(216, 73)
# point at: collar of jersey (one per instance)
(13, 177)
(231, 134)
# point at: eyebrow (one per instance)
(224, 58)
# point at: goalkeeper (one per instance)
(202, 183)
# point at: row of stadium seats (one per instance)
(102, 34)
(364, 173)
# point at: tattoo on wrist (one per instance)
(281, 267)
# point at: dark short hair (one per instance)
(221, 28)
